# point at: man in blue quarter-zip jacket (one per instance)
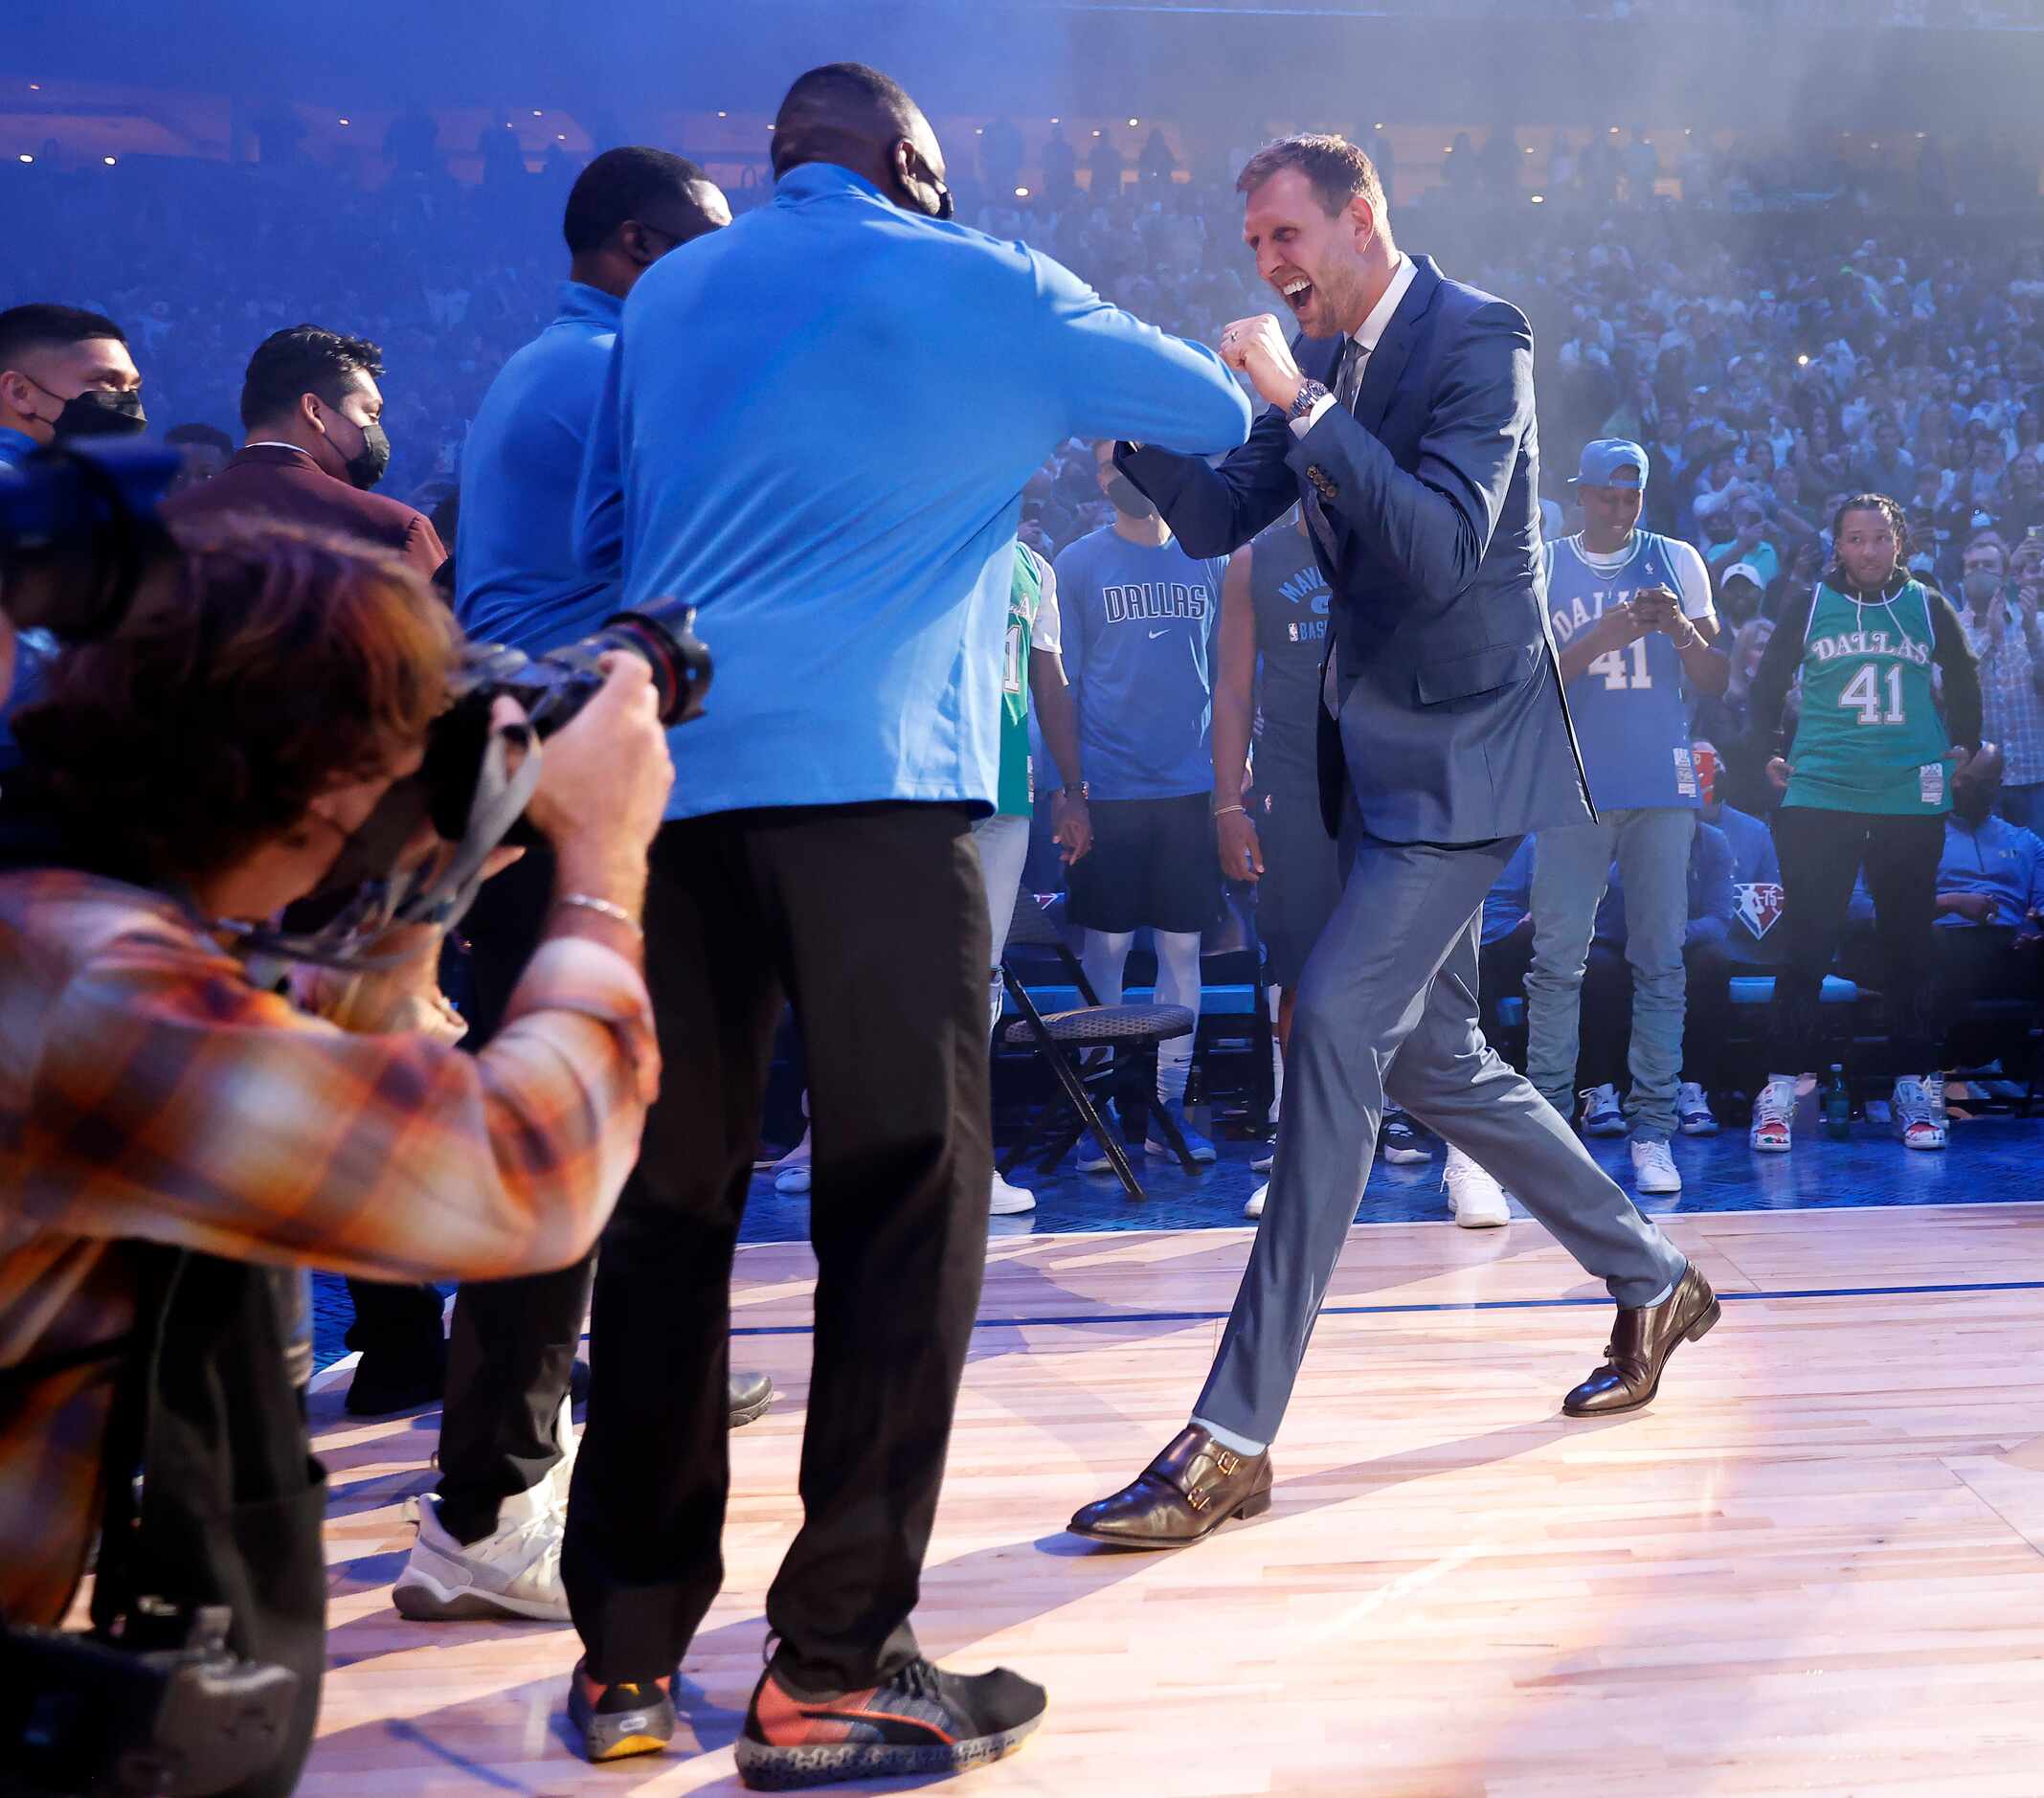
(1991, 896)
(490, 1540)
(817, 430)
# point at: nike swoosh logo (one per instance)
(1155, 635)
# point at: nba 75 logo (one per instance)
(1759, 906)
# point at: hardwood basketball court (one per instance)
(1816, 1565)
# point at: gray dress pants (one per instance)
(1387, 1005)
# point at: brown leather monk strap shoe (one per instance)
(1184, 1495)
(1640, 1345)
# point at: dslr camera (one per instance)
(79, 535)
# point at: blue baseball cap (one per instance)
(1607, 459)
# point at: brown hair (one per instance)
(266, 667)
(1337, 170)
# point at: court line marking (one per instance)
(1836, 1208)
(1093, 1319)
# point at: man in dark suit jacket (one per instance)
(1402, 417)
(316, 445)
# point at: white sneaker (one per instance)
(1008, 1199)
(1264, 1163)
(1476, 1200)
(515, 1572)
(1692, 1106)
(1255, 1207)
(1601, 1113)
(792, 1179)
(1653, 1167)
(1919, 1108)
(1774, 1113)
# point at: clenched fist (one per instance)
(1257, 346)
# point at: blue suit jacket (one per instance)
(1452, 726)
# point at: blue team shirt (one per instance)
(1509, 903)
(1753, 856)
(1140, 623)
(815, 428)
(517, 579)
(1997, 858)
(1289, 595)
(1631, 709)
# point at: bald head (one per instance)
(861, 120)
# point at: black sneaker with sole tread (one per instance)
(919, 1720)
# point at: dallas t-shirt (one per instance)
(1140, 623)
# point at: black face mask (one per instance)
(941, 206)
(1128, 498)
(98, 413)
(369, 464)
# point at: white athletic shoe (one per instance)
(1919, 1108)
(1774, 1113)
(513, 1572)
(1009, 1201)
(1653, 1167)
(1255, 1207)
(791, 1173)
(1476, 1200)
(1264, 1163)
(1692, 1106)
(1601, 1113)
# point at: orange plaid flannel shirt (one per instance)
(148, 1089)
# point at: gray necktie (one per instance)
(1348, 383)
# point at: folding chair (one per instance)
(1073, 1043)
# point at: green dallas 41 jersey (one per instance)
(1870, 738)
(1032, 625)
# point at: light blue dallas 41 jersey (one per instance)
(1631, 706)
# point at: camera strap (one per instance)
(502, 794)
(439, 894)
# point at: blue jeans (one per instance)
(1571, 868)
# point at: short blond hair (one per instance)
(1339, 170)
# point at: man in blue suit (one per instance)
(1402, 415)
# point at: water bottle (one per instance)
(1837, 1103)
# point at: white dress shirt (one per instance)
(1366, 339)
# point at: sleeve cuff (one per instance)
(1300, 426)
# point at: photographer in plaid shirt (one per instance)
(210, 760)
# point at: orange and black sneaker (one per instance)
(633, 1716)
(920, 1719)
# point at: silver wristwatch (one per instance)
(1309, 394)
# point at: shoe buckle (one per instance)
(1226, 1462)
(1198, 1501)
